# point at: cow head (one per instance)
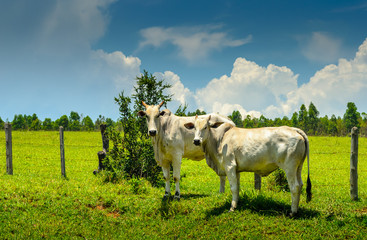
(152, 114)
(202, 128)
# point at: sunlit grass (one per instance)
(37, 202)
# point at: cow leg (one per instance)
(295, 188)
(176, 176)
(222, 184)
(165, 169)
(233, 182)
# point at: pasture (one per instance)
(36, 202)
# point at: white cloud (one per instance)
(115, 66)
(193, 43)
(251, 86)
(227, 109)
(273, 90)
(181, 95)
(321, 48)
(331, 88)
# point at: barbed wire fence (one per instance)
(76, 166)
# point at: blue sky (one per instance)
(259, 57)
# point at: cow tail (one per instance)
(309, 185)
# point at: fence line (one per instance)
(257, 178)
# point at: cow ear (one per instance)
(162, 113)
(189, 125)
(215, 125)
(141, 113)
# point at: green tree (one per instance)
(19, 122)
(332, 127)
(248, 122)
(313, 119)
(110, 123)
(197, 112)
(236, 118)
(303, 118)
(74, 121)
(351, 116)
(263, 121)
(294, 119)
(62, 121)
(1, 124)
(35, 125)
(47, 124)
(87, 124)
(132, 154)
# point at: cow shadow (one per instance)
(262, 205)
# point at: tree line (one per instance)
(306, 118)
(310, 122)
(73, 122)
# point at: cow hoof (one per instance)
(166, 195)
(231, 210)
(177, 196)
(292, 215)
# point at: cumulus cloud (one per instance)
(321, 47)
(181, 94)
(331, 88)
(273, 91)
(251, 86)
(193, 43)
(115, 66)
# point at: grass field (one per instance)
(36, 202)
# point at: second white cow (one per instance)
(230, 150)
(172, 141)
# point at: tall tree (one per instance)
(47, 124)
(74, 121)
(87, 124)
(332, 127)
(351, 116)
(236, 118)
(62, 121)
(294, 119)
(303, 118)
(313, 119)
(19, 122)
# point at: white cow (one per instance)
(230, 150)
(172, 141)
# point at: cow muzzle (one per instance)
(197, 142)
(152, 133)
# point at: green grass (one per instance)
(36, 202)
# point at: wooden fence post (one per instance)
(257, 181)
(102, 154)
(62, 152)
(354, 164)
(9, 149)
